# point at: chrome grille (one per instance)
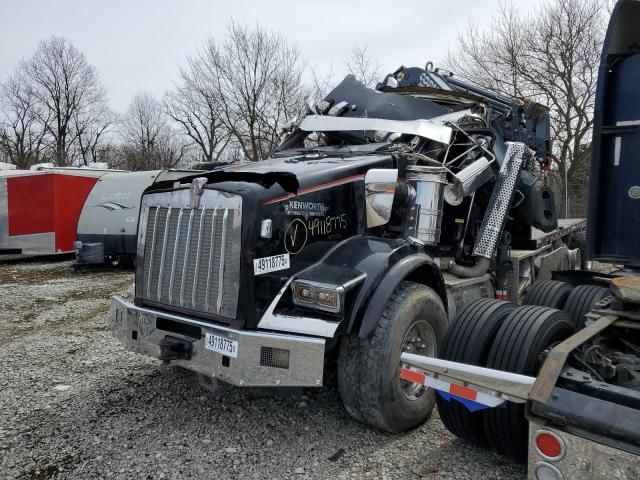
(191, 256)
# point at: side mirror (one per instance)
(379, 190)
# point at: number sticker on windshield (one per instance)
(270, 264)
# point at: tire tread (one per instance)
(468, 340)
(548, 293)
(581, 301)
(524, 334)
(359, 357)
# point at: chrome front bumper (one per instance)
(137, 329)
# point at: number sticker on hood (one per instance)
(270, 264)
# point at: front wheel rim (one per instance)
(420, 339)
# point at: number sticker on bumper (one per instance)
(221, 345)
(270, 264)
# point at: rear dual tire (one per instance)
(581, 301)
(498, 335)
(518, 347)
(548, 293)
(575, 301)
(468, 340)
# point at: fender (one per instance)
(418, 267)
(372, 267)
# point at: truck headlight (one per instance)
(316, 295)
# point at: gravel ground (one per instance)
(75, 404)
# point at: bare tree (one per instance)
(148, 141)
(364, 67)
(257, 77)
(23, 124)
(91, 129)
(195, 106)
(320, 84)
(552, 57)
(66, 86)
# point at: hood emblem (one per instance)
(195, 191)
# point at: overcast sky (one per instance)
(138, 45)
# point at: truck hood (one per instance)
(289, 174)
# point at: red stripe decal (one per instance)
(315, 188)
(412, 376)
(463, 392)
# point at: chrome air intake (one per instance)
(190, 251)
(426, 215)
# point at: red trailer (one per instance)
(39, 210)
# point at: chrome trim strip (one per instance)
(511, 386)
(422, 128)
(304, 325)
(175, 256)
(187, 246)
(617, 147)
(164, 252)
(153, 245)
(4, 213)
(213, 238)
(32, 244)
(295, 324)
(221, 271)
(203, 213)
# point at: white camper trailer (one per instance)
(109, 219)
(108, 223)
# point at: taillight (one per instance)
(549, 445)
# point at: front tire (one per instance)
(369, 380)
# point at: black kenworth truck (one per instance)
(383, 213)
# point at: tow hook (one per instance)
(173, 348)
